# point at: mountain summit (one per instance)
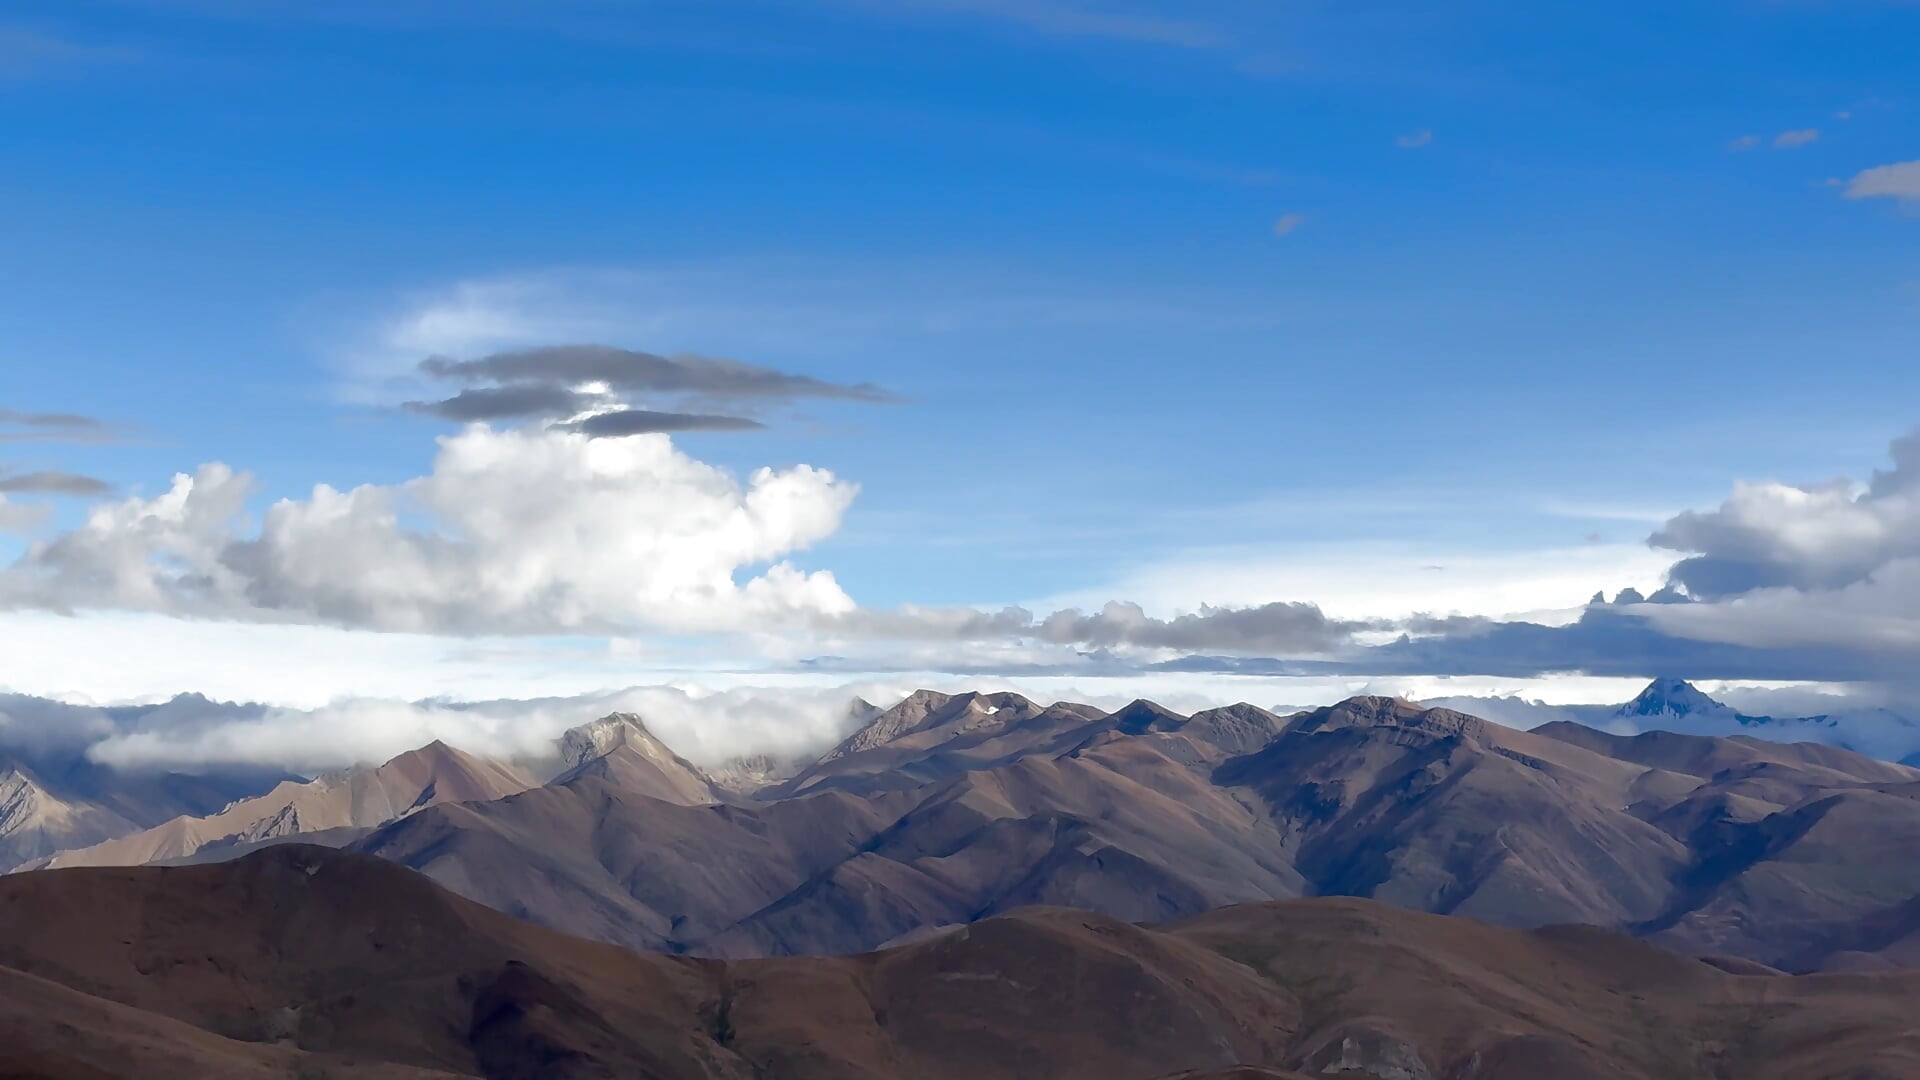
(619, 749)
(1672, 697)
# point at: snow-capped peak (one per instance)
(1671, 697)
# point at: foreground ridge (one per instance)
(299, 959)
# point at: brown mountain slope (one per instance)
(1439, 811)
(352, 957)
(360, 797)
(307, 961)
(592, 858)
(1117, 825)
(1147, 815)
(932, 736)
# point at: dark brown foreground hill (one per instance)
(306, 962)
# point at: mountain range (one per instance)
(300, 961)
(979, 884)
(335, 804)
(54, 802)
(947, 809)
(1671, 704)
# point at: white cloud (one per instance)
(1288, 223)
(1383, 580)
(1803, 536)
(1831, 567)
(1790, 140)
(525, 531)
(704, 725)
(1898, 181)
(1414, 141)
(704, 721)
(1744, 143)
(21, 517)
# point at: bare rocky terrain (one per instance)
(949, 809)
(299, 961)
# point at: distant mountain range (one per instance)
(306, 962)
(1677, 705)
(54, 801)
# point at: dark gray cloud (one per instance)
(551, 381)
(53, 482)
(19, 426)
(517, 402)
(1605, 641)
(1297, 627)
(1283, 627)
(632, 371)
(646, 421)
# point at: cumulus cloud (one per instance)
(1790, 140)
(1744, 143)
(1898, 181)
(525, 531)
(53, 482)
(1819, 536)
(1780, 581)
(1414, 140)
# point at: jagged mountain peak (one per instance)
(1670, 697)
(925, 709)
(618, 749)
(598, 738)
(1140, 716)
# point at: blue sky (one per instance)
(1541, 296)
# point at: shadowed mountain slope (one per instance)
(55, 802)
(312, 962)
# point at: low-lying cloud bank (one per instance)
(190, 733)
